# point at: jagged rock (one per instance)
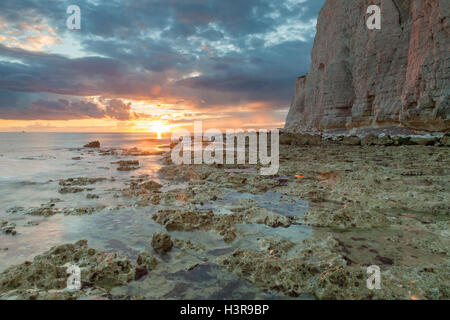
(145, 262)
(123, 163)
(65, 190)
(424, 141)
(161, 242)
(399, 75)
(150, 185)
(47, 273)
(267, 217)
(8, 227)
(351, 141)
(445, 140)
(186, 220)
(92, 144)
(127, 165)
(399, 141)
(300, 139)
(372, 139)
(81, 181)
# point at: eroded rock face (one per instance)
(162, 242)
(46, 276)
(399, 75)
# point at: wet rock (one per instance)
(136, 152)
(146, 192)
(127, 165)
(191, 220)
(127, 168)
(123, 163)
(45, 211)
(145, 263)
(150, 185)
(81, 181)
(147, 200)
(65, 190)
(293, 276)
(82, 211)
(107, 152)
(46, 276)
(360, 191)
(180, 220)
(263, 216)
(351, 140)
(49, 209)
(188, 245)
(8, 227)
(445, 140)
(192, 175)
(352, 215)
(71, 185)
(92, 196)
(162, 242)
(384, 260)
(328, 178)
(276, 246)
(424, 141)
(401, 141)
(300, 139)
(92, 144)
(15, 209)
(372, 139)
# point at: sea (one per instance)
(31, 166)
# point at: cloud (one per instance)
(117, 109)
(70, 108)
(60, 109)
(205, 53)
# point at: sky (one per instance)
(139, 66)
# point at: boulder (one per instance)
(92, 144)
(162, 242)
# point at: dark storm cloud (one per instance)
(61, 109)
(117, 109)
(51, 73)
(69, 109)
(237, 47)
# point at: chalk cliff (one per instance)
(396, 76)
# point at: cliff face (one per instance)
(399, 75)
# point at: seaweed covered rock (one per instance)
(145, 262)
(48, 272)
(162, 242)
(263, 216)
(321, 270)
(8, 227)
(92, 144)
(191, 220)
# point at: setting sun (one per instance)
(159, 128)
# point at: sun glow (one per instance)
(159, 128)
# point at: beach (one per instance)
(156, 230)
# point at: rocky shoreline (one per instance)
(375, 200)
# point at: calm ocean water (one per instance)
(31, 165)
